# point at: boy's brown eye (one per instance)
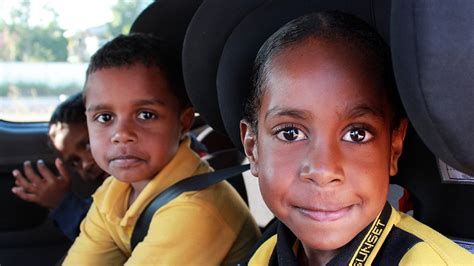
(104, 118)
(357, 135)
(146, 115)
(290, 134)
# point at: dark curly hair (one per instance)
(146, 49)
(71, 111)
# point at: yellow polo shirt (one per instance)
(393, 238)
(208, 227)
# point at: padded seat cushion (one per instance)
(433, 56)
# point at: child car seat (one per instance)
(446, 207)
(432, 46)
(433, 56)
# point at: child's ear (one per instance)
(398, 135)
(186, 119)
(249, 141)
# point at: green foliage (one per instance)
(46, 43)
(124, 13)
(39, 43)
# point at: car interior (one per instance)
(432, 51)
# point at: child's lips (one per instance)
(125, 161)
(325, 215)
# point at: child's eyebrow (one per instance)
(149, 102)
(98, 107)
(95, 108)
(278, 111)
(362, 110)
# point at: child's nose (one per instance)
(124, 133)
(322, 165)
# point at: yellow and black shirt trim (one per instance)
(391, 239)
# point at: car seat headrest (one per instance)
(432, 46)
(166, 19)
(205, 38)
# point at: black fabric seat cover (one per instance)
(432, 46)
(447, 208)
(225, 159)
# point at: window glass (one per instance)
(45, 46)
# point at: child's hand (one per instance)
(43, 188)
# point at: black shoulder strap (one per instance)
(193, 183)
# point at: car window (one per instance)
(45, 46)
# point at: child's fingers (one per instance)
(22, 194)
(31, 174)
(63, 172)
(22, 182)
(45, 172)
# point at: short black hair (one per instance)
(146, 49)
(71, 111)
(330, 26)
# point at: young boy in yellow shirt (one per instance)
(138, 115)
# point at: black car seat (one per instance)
(433, 56)
(432, 46)
(222, 154)
(213, 140)
(445, 207)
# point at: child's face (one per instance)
(135, 123)
(72, 143)
(325, 149)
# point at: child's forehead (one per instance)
(134, 80)
(329, 61)
(324, 51)
(131, 71)
(325, 74)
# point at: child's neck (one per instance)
(312, 257)
(137, 188)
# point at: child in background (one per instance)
(69, 138)
(323, 133)
(138, 115)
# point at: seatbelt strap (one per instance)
(194, 183)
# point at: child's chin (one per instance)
(326, 238)
(123, 177)
(327, 243)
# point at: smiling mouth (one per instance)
(322, 215)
